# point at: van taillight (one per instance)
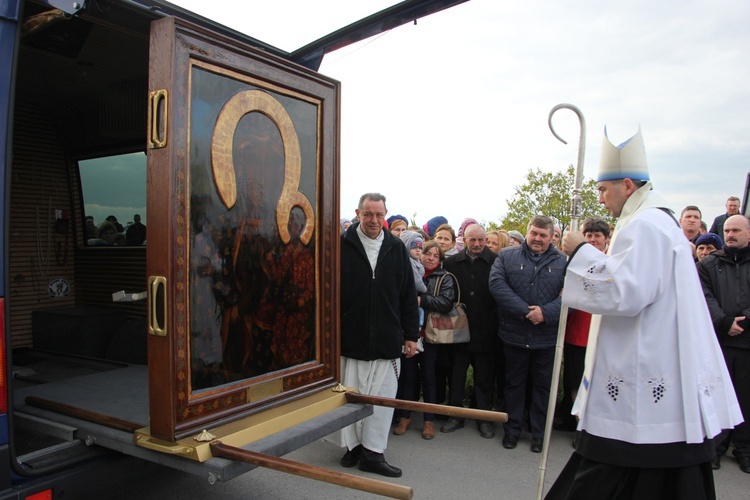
(42, 495)
(3, 362)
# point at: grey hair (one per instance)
(371, 197)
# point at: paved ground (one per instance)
(461, 465)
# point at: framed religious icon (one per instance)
(243, 230)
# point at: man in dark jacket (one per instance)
(725, 277)
(733, 208)
(472, 270)
(526, 282)
(379, 318)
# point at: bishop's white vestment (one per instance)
(655, 373)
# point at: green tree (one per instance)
(549, 194)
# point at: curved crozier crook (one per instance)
(576, 208)
(581, 120)
(222, 162)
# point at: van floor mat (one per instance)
(39, 367)
(119, 393)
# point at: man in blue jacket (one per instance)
(526, 282)
(379, 318)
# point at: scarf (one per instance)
(372, 246)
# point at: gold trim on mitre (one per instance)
(628, 160)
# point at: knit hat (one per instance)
(628, 160)
(516, 236)
(396, 217)
(466, 223)
(709, 239)
(412, 239)
(432, 224)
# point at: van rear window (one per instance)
(114, 199)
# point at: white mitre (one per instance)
(628, 160)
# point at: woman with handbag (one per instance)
(440, 300)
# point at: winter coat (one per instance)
(726, 284)
(516, 282)
(481, 310)
(407, 237)
(378, 309)
(718, 226)
(445, 299)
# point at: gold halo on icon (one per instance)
(222, 161)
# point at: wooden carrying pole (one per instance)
(82, 414)
(451, 411)
(575, 214)
(219, 449)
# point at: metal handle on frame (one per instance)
(158, 119)
(155, 300)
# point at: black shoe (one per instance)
(351, 457)
(716, 462)
(486, 430)
(510, 442)
(451, 425)
(375, 462)
(744, 464)
(536, 445)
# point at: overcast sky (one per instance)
(446, 117)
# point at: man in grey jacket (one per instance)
(526, 282)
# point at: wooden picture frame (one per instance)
(243, 210)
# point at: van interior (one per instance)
(78, 157)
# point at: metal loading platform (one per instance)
(120, 398)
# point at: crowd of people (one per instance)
(110, 232)
(668, 396)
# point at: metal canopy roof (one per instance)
(311, 54)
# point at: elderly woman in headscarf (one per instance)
(516, 238)
(345, 223)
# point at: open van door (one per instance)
(243, 239)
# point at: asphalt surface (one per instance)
(459, 465)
